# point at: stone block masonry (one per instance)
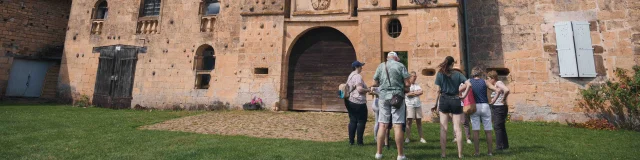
(519, 36)
(31, 29)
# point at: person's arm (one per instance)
(492, 87)
(467, 85)
(419, 92)
(505, 90)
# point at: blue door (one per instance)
(27, 78)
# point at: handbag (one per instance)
(396, 100)
(469, 103)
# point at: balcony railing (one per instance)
(96, 26)
(207, 23)
(147, 26)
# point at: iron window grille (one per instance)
(151, 8)
(394, 28)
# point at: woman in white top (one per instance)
(499, 111)
(414, 107)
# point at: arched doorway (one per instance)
(320, 60)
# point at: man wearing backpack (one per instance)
(392, 78)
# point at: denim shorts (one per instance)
(450, 104)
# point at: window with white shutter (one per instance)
(575, 52)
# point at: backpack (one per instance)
(344, 90)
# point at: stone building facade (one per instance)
(520, 36)
(32, 35)
(293, 53)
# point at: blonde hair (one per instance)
(477, 71)
(493, 75)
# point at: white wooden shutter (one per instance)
(566, 50)
(584, 49)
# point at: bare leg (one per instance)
(476, 142)
(489, 140)
(456, 128)
(444, 118)
(382, 135)
(409, 127)
(399, 137)
(419, 125)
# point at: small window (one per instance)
(261, 71)
(101, 10)
(394, 28)
(429, 72)
(151, 8)
(204, 64)
(500, 71)
(394, 5)
(211, 7)
(575, 51)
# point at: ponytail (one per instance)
(445, 67)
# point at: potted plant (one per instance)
(255, 104)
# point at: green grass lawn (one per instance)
(63, 132)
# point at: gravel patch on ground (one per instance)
(314, 126)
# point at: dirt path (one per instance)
(315, 126)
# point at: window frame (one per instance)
(204, 6)
(143, 8)
(97, 8)
(199, 68)
(394, 30)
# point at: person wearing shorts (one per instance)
(448, 81)
(483, 111)
(391, 77)
(414, 108)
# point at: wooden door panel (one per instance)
(319, 62)
(102, 91)
(114, 78)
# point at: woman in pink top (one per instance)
(357, 103)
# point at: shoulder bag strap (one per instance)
(387, 70)
(354, 87)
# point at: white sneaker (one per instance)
(468, 141)
(422, 140)
(378, 156)
(402, 157)
(406, 140)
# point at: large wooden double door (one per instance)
(319, 62)
(114, 78)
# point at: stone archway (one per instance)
(319, 61)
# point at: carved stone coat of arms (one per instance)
(320, 4)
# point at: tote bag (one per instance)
(469, 103)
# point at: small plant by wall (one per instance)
(83, 101)
(617, 102)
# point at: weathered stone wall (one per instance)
(30, 29)
(246, 35)
(519, 35)
(164, 77)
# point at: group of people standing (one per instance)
(392, 80)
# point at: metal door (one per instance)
(27, 78)
(114, 80)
